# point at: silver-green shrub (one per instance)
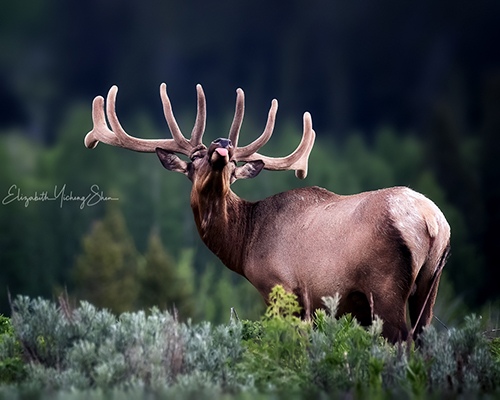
(89, 348)
(460, 359)
(65, 351)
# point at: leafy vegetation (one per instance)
(85, 351)
(11, 365)
(106, 271)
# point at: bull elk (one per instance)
(380, 250)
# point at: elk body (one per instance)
(379, 250)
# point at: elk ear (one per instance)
(249, 170)
(171, 162)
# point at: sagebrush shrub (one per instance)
(86, 347)
(68, 350)
(461, 359)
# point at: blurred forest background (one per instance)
(401, 93)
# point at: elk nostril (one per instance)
(223, 142)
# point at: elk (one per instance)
(382, 251)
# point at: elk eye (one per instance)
(196, 156)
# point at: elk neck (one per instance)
(221, 218)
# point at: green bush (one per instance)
(73, 352)
(11, 364)
(344, 355)
(276, 349)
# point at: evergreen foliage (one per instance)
(106, 272)
(85, 351)
(111, 273)
(163, 283)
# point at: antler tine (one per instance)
(295, 161)
(172, 123)
(117, 136)
(239, 113)
(116, 127)
(247, 151)
(100, 131)
(201, 118)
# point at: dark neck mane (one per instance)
(223, 222)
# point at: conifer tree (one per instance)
(105, 274)
(163, 283)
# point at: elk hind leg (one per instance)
(357, 304)
(392, 311)
(422, 301)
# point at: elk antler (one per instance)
(295, 161)
(116, 136)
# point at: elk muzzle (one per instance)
(220, 152)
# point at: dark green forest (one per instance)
(400, 94)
